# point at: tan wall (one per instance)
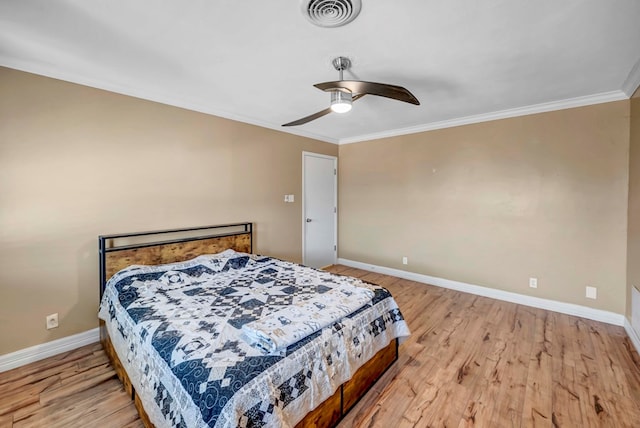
(76, 162)
(633, 238)
(495, 203)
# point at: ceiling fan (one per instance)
(344, 92)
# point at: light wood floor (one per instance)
(475, 361)
(470, 361)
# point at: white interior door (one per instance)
(319, 209)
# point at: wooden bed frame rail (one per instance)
(122, 250)
(327, 414)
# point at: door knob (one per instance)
(308, 220)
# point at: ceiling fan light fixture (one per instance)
(342, 93)
(341, 101)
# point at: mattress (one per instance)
(178, 331)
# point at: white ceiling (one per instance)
(256, 60)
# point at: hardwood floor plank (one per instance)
(120, 418)
(567, 408)
(77, 383)
(60, 410)
(511, 373)
(537, 410)
(102, 410)
(42, 365)
(13, 400)
(6, 421)
(135, 424)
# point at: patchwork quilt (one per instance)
(284, 327)
(178, 331)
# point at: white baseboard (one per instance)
(521, 299)
(632, 335)
(48, 349)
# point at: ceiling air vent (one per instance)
(330, 13)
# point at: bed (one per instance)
(179, 314)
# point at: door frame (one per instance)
(335, 204)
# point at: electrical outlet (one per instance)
(533, 282)
(52, 321)
(592, 292)
(405, 261)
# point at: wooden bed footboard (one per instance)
(327, 414)
(333, 409)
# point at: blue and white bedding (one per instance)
(284, 327)
(180, 331)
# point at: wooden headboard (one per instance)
(169, 246)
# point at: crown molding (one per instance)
(629, 87)
(632, 82)
(147, 95)
(603, 97)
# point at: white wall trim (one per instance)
(604, 97)
(632, 335)
(48, 349)
(145, 94)
(630, 84)
(521, 299)
(633, 80)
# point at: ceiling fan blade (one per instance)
(380, 89)
(317, 115)
(309, 118)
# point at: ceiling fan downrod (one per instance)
(341, 63)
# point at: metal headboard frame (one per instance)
(104, 239)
